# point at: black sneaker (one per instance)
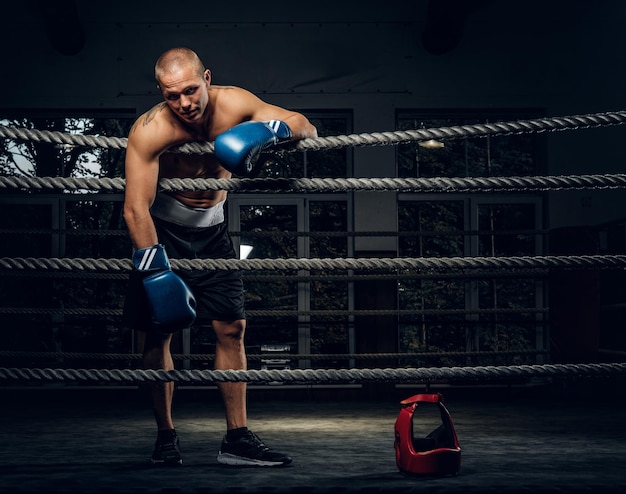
(166, 450)
(249, 450)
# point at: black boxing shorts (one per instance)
(219, 293)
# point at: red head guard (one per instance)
(439, 453)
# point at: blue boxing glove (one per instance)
(172, 304)
(239, 147)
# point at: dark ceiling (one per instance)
(443, 31)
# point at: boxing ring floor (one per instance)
(526, 439)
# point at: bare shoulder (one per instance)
(233, 97)
(230, 105)
(157, 127)
(156, 115)
(233, 105)
(232, 91)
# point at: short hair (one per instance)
(176, 58)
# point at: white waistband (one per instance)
(169, 209)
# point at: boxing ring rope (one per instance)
(573, 122)
(421, 265)
(418, 263)
(288, 185)
(319, 376)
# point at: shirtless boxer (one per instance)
(191, 224)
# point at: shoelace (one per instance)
(167, 446)
(257, 441)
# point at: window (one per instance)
(456, 312)
(42, 159)
(55, 311)
(515, 155)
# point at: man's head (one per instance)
(174, 60)
(184, 83)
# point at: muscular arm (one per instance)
(148, 138)
(300, 126)
(247, 106)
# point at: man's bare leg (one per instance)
(157, 355)
(230, 353)
(240, 446)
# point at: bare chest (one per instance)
(181, 165)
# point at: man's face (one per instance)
(185, 92)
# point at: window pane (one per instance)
(513, 155)
(431, 228)
(95, 228)
(272, 222)
(329, 334)
(506, 229)
(42, 159)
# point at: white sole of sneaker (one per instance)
(228, 459)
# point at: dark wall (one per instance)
(374, 58)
